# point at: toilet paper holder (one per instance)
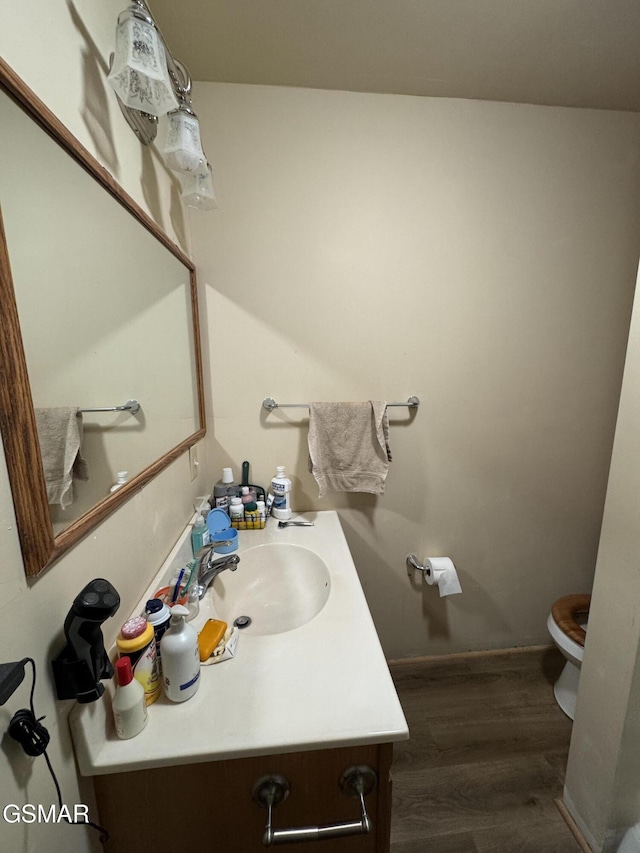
(430, 576)
(436, 571)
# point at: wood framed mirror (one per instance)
(97, 307)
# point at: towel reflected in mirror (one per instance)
(60, 437)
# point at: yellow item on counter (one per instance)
(137, 641)
(210, 636)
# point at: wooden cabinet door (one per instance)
(208, 808)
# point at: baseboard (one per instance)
(577, 826)
(470, 654)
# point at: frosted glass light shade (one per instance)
(182, 148)
(198, 191)
(139, 74)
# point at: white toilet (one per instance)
(567, 625)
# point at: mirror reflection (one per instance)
(106, 317)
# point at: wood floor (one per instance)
(486, 756)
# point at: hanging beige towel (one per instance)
(349, 446)
(60, 435)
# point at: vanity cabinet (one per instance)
(186, 782)
(195, 808)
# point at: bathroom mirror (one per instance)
(97, 307)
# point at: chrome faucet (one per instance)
(208, 568)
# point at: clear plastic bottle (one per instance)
(224, 489)
(204, 508)
(281, 489)
(193, 603)
(129, 706)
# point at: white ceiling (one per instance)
(582, 53)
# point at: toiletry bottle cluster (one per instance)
(242, 504)
(157, 652)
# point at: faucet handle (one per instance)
(201, 553)
(211, 547)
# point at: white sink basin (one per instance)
(279, 586)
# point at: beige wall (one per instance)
(607, 723)
(59, 49)
(481, 256)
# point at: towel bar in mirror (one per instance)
(128, 309)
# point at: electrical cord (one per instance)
(34, 739)
(30, 734)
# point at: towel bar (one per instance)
(132, 406)
(270, 404)
(270, 791)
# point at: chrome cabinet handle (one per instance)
(270, 791)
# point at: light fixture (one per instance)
(182, 148)
(139, 74)
(150, 83)
(197, 189)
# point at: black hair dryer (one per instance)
(83, 662)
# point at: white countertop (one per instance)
(325, 684)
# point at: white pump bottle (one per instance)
(180, 657)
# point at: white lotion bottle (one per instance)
(281, 489)
(180, 657)
(129, 705)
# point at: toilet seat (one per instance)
(565, 612)
(569, 636)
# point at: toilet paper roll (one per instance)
(441, 572)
